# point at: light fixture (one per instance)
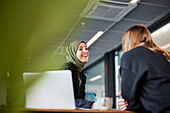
(133, 1)
(166, 46)
(95, 78)
(94, 38)
(162, 29)
(160, 32)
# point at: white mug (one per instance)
(104, 103)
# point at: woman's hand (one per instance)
(122, 103)
(94, 105)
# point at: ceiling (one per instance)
(113, 17)
(81, 21)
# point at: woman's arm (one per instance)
(122, 103)
(130, 88)
(83, 103)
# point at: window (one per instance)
(95, 81)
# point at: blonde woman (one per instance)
(145, 72)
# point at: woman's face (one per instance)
(82, 53)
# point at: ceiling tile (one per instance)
(112, 36)
(93, 24)
(84, 35)
(124, 24)
(146, 12)
(157, 2)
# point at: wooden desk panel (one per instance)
(60, 111)
(76, 111)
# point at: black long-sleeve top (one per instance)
(79, 90)
(145, 80)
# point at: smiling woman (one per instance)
(76, 56)
(82, 53)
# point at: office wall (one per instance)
(162, 36)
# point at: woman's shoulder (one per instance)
(133, 52)
(142, 55)
(136, 59)
(68, 66)
(138, 52)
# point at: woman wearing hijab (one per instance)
(145, 72)
(76, 56)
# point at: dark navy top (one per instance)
(79, 90)
(145, 80)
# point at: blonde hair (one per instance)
(139, 35)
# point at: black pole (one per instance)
(110, 77)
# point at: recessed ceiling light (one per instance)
(166, 46)
(95, 78)
(94, 38)
(133, 1)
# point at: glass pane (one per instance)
(95, 81)
(118, 55)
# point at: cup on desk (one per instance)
(104, 103)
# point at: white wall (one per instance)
(162, 36)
